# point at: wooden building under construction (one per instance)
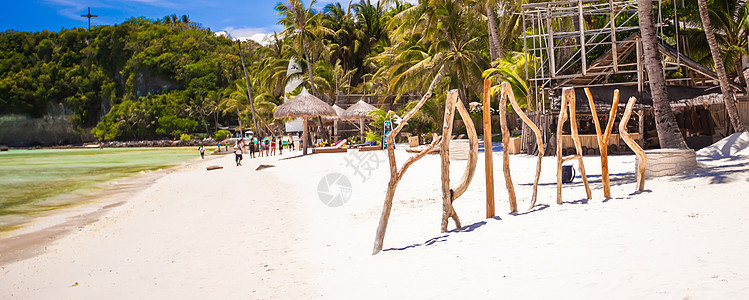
(596, 45)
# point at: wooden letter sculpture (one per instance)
(395, 175)
(450, 195)
(488, 159)
(507, 92)
(603, 140)
(568, 98)
(633, 145)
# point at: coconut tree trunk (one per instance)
(725, 87)
(309, 69)
(495, 46)
(665, 122)
(249, 91)
(239, 118)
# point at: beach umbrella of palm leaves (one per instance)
(334, 120)
(304, 105)
(359, 111)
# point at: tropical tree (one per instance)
(434, 38)
(730, 23)
(725, 87)
(237, 102)
(669, 134)
(303, 25)
(510, 69)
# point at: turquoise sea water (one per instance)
(29, 177)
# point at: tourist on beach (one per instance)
(202, 152)
(238, 153)
(280, 145)
(273, 146)
(252, 148)
(291, 142)
(260, 148)
(267, 147)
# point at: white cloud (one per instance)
(258, 34)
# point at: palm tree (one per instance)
(303, 24)
(669, 134)
(237, 102)
(431, 35)
(725, 87)
(509, 69)
(730, 24)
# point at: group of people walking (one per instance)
(260, 148)
(257, 148)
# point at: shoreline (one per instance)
(26, 238)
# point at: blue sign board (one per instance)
(387, 128)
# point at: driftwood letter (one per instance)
(395, 175)
(568, 99)
(507, 90)
(450, 195)
(603, 140)
(633, 145)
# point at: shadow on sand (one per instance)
(537, 208)
(444, 237)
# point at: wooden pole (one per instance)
(447, 193)
(506, 90)
(643, 159)
(361, 130)
(583, 52)
(614, 54)
(488, 160)
(638, 55)
(305, 136)
(539, 141)
(603, 140)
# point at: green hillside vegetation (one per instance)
(153, 75)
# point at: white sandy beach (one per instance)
(238, 233)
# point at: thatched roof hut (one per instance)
(304, 105)
(338, 111)
(358, 111)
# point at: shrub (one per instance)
(185, 137)
(373, 136)
(222, 134)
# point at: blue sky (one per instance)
(242, 19)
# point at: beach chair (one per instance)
(370, 148)
(338, 147)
